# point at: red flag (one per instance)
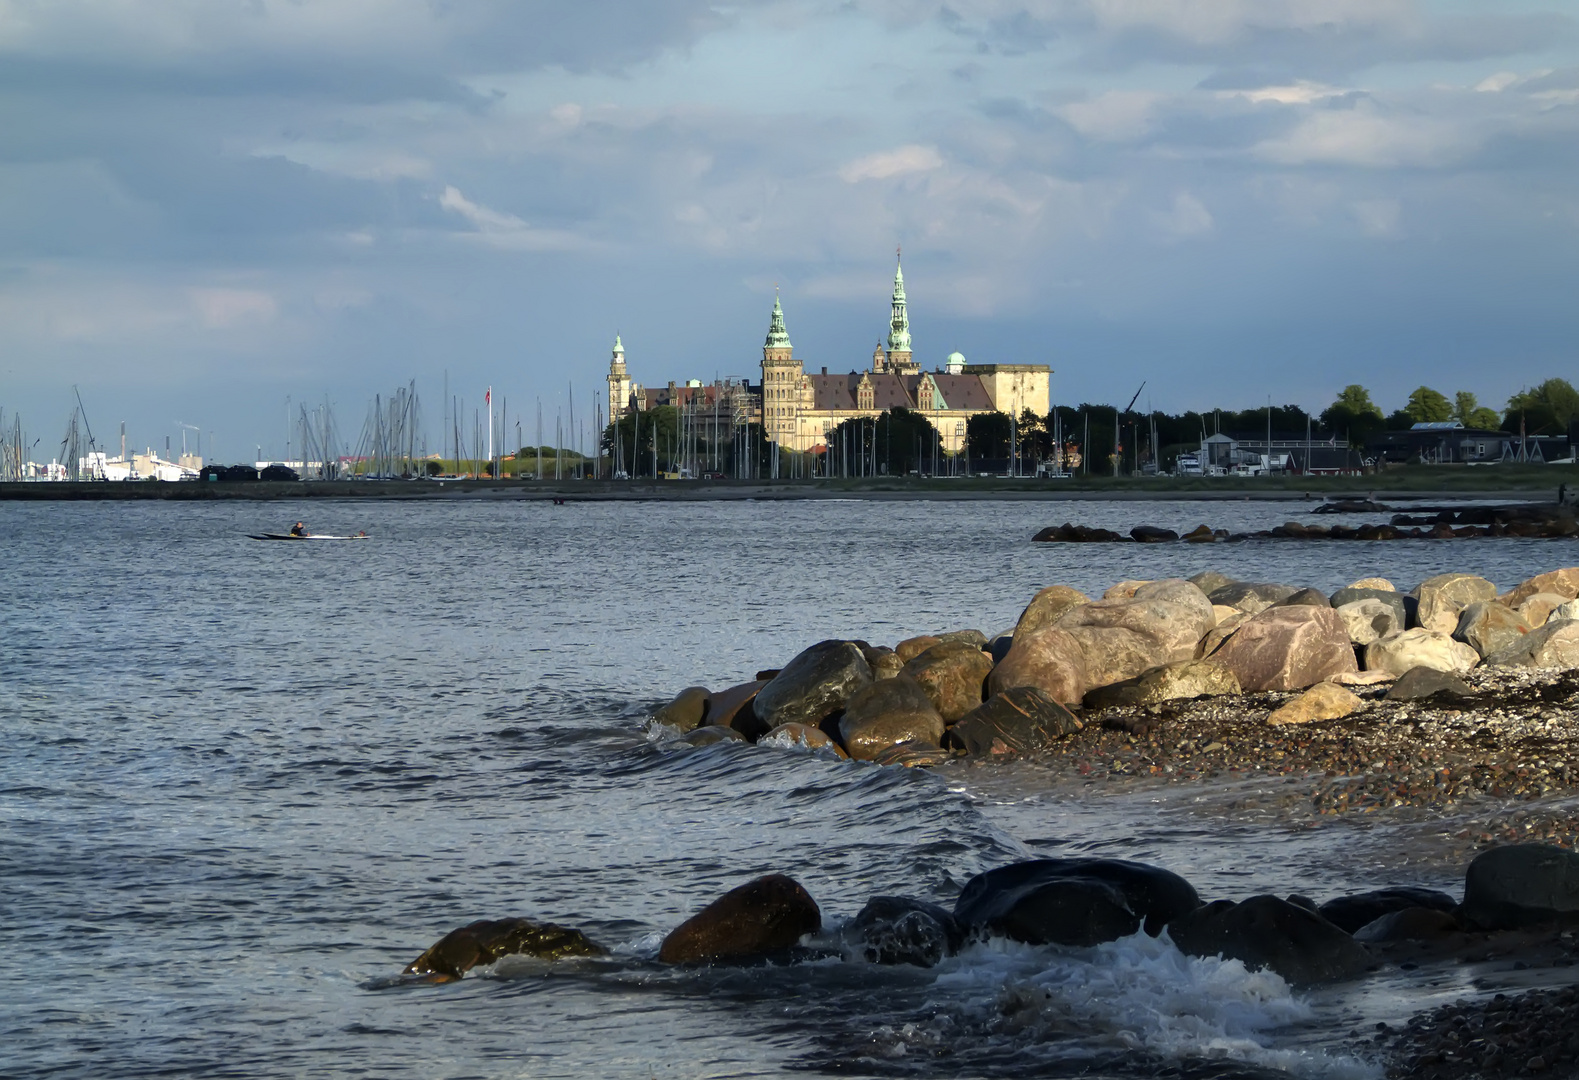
(487, 399)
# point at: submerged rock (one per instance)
(764, 916)
(1349, 913)
(903, 930)
(912, 755)
(487, 940)
(732, 708)
(1074, 901)
(687, 710)
(1266, 932)
(1020, 720)
(801, 737)
(711, 735)
(814, 685)
(1508, 888)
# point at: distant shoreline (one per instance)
(1384, 487)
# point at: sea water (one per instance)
(243, 784)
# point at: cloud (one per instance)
(888, 164)
(222, 309)
(1114, 115)
(507, 231)
(1377, 217)
(1188, 217)
(1366, 138)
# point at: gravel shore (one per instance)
(1530, 1034)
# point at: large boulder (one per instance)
(1404, 607)
(1120, 639)
(1075, 901)
(1521, 885)
(732, 708)
(1288, 648)
(1419, 647)
(1251, 596)
(1535, 610)
(910, 648)
(1124, 590)
(1324, 701)
(1048, 606)
(1487, 627)
(687, 710)
(883, 661)
(1443, 597)
(1369, 620)
(1020, 720)
(953, 673)
(886, 713)
(1169, 682)
(814, 685)
(1349, 913)
(903, 930)
(1213, 639)
(970, 637)
(764, 916)
(1564, 583)
(1554, 645)
(1306, 598)
(1209, 581)
(1420, 683)
(1048, 659)
(488, 940)
(1372, 583)
(1266, 932)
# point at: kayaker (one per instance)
(298, 529)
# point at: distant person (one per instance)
(1562, 493)
(298, 529)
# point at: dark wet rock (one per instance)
(1251, 596)
(1073, 901)
(1151, 534)
(1209, 581)
(910, 648)
(814, 685)
(761, 917)
(1288, 648)
(766, 674)
(953, 674)
(1048, 659)
(912, 754)
(487, 940)
(1303, 901)
(687, 710)
(1201, 534)
(1419, 683)
(1349, 913)
(1405, 606)
(801, 737)
(885, 713)
(999, 646)
(732, 708)
(1266, 932)
(1170, 682)
(1488, 627)
(1508, 888)
(883, 661)
(903, 930)
(1410, 924)
(1076, 534)
(1048, 606)
(1020, 720)
(711, 735)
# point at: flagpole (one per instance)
(489, 397)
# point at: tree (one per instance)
(987, 435)
(1472, 414)
(1547, 409)
(1354, 415)
(1426, 406)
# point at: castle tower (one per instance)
(899, 356)
(781, 378)
(619, 383)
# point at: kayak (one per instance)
(309, 536)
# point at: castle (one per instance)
(797, 410)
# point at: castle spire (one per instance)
(899, 321)
(778, 337)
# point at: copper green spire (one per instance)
(899, 323)
(778, 337)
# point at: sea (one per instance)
(243, 784)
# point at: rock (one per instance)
(1569, 609)
(1443, 597)
(1369, 620)
(1564, 583)
(1251, 596)
(1409, 924)
(1048, 659)
(903, 930)
(1000, 644)
(1287, 648)
(885, 713)
(1213, 639)
(1306, 598)
(1201, 534)
(912, 754)
(1404, 607)
(1554, 645)
(1222, 613)
(1076, 534)
(1324, 701)
(953, 674)
(1209, 580)
(1120, 639)
(883, 661)
(910, 648)
(969, 637)
(1020, 720)
(687, 710)
(801, 737)
(1362, 678)
(1380, 583)
(1170, 682)
(1124, 590)
(1075, 901)
(764, 916)
(1419, 683)
(1266, 932)
(1419, 647)
(732, 708)
(1521, 885)
(1349, 913)
(814, 685)
(1487, 627)
(1047, 606)
(485, 941)
(711, 734)
(1538, 608)
(1151, 534)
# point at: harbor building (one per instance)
(798, 410)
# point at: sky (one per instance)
(214, 211)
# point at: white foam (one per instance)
(1139, 993)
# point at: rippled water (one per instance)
(244, 783)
